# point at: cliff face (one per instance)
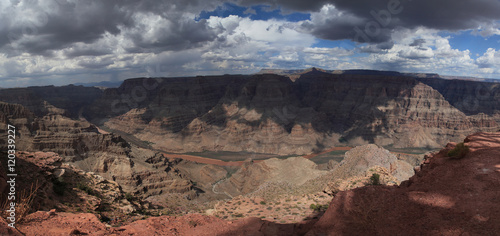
(470, 97)
(21, 118)
(72, 99)
(269, 113)
(389, 110)
(83, 145)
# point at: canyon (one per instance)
(447, 196)
(232, 147)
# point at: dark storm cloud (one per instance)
(376, 48)
(92, 64)
(63, 24)
(449, 15)
(59, 24)
(175, 36)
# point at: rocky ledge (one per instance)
(446, 196)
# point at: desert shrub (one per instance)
(23, 201)
(129, 197)
(104, 219)
(85, 188)
(375, 179)
(104, 207)
(59, 186)
(318, 207)
(459, 151)
(262, 203)
(342, 140)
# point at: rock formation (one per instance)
(290, 173)
(268, 113)
(83, 145)
(360, 159)
(288, 112)
(447, 196)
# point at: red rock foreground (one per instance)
(446, 197)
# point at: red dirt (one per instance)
(447, 197)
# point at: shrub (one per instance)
(318, 207)
(129, 197)
(105, 219)
(24, 201)
(262, 203)
(59, 186)
(375, 179)
(85, 188)
(459, 151)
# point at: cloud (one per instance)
(417, 42)
(37, 27)
(41, 27)
(373, 21)
(295, 5)
(490, 60)
(61, 41)
(433, 54)
(487, 30)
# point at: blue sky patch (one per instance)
(259, 12)
(476, 44)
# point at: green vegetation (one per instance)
(375, 179)
(148, 143)
(262, 203)
(59, 186)
(85, 188)
(342, 140)
(129, 197)
(318, 207)
(459, 151)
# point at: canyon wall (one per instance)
(290, 112)
(269, 113)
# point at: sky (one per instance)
(59, 42)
